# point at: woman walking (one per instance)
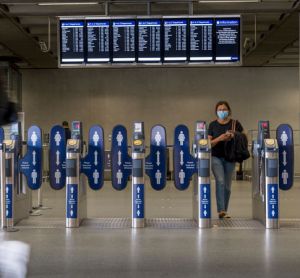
(221, 130)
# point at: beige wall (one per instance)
(159, 95)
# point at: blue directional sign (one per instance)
(284, 135)
(121, 162)
(9, 200)
(156, 162)
(57, 157)
(1, 135)
(31, 164)
(93, 164)
(272, 201)
(184, 163)
(205, 209)
(72, 200)
(138, 201)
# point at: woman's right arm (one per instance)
(222, 137)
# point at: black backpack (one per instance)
(236, 150)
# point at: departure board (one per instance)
(175, 40)
(72, 41)
(149, 40)
(201, 39)
(97, 41)
(227, 39)
(101, 41)
(123, 40)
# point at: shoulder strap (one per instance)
(233, 125)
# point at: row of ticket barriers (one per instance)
(72, 167)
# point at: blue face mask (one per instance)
(222, 114)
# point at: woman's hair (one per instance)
(223, 102)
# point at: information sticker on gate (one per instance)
(57, 157)
(121, 162)
(1, 135)
(284, 135)
(31, 164)
(156, 162)
(93, 164)
(184, 163)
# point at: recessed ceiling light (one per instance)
(66, 3)
(229, 1)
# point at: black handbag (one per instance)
(236, 149)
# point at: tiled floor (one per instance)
(99, 250)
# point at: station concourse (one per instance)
(149, 138)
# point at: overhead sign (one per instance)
(156, 162)
(121, 162)
(227, 42)
(57, 157)
(184, 163)
(284, 135)
(72, 41)
(1, 135)
(101, 41)
(93, 164)
(31, 164)
(149, 40)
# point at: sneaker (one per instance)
(222, 214)
(227, 216)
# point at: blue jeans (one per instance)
(223, 171)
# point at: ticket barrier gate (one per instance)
(76, 203)
(15, 197)
(8, 219)
(124, 166)
(2, 184)
(76, 191)
(186, 165)
(201, 181)
(272, 169)
(68, 160)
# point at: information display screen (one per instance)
(201, 39)
(86, 41)
(123, 40)
(149, 40)
(227, 39)
(72, 41)
(175, 40)
(98, 41)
